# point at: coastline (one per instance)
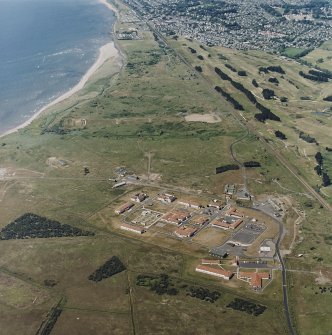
(106, 52)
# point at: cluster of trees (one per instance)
(254, 82)
(193, 51)
(268, 94)
(319, 169)
(247, 306)
(55, 313)
(307, 138)
(57, 129)
(108, 269)
(272, 68)
(200, 57)
(160, 284)
(34, 226)
(328, 98)
(321, 73)
(280, 135)
(324, 289)
(252, 164)
(230, 67)
(198, 68)
(313, 77)
(245, 91)
(222, 74)
(228, 167)
(203, 294)
(229, 98)
(273, 80)
(326, 179)
(242, 73)
(265, 112)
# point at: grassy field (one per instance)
(135, 117)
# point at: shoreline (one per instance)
(106, 52)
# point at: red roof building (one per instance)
(124, 208)
(176, 217)
(220, 223)
(185, 232)
(255, 279)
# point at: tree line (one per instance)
(265, 113)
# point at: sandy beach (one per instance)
(106, 52)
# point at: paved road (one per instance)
(284, 280)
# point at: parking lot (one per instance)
(248, 234)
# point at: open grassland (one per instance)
(304, 110)
(137, 118)
(321, 56)
(89, 305)
(315, 319)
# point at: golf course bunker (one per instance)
(248, 234)
(207, 118)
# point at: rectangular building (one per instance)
(132, 229)
(176, 217)
(183, 232)
(166, 198)
(217, 272)
(124, 208)
(255, 279)
(139, 197)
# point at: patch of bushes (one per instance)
(203, 294)
(307, 138)
(242, 73)
(229, 98)
(328, 98)
(54, 315)
(326, 179)
(271, 68)
(193, 51)
(265, 114)
(228, 167)
(230, 67)
(280, 135)
(273, 80)
(222, 74)
(251, 164)
(247, 306)
(268, 94)
(108, 269)
(34, 226)
(160, 284)
(312, 77)
(198, 68)
(200, 57)
(254, 82)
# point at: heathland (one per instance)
(159, 117)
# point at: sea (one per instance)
(46, 46)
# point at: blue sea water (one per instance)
(46, 46)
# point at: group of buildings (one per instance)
(189, 217)
(213, 267)
(238, 24)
